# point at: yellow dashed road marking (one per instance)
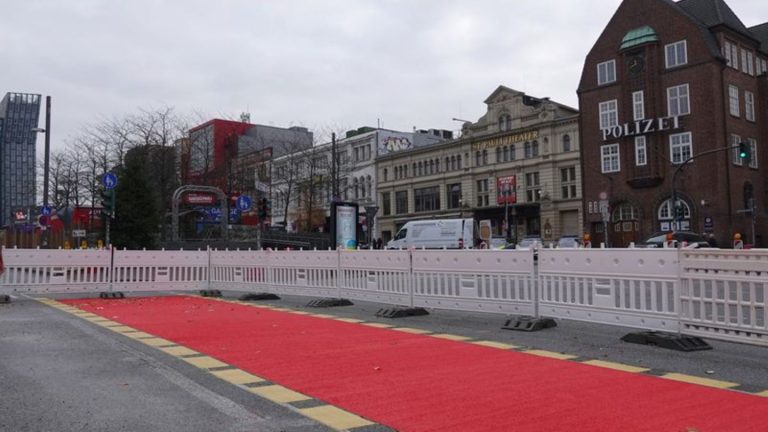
(322, 315)
(334, 417)
(204, 362)
(491, 344)
(236, 376)
(763, 394)
(411, 330)
(299, 312)
(616, 366)
(350, 320)
(377, 325)
(179, 351)
(157, 342)
(139, 335)
(123, 329)
(550, 354)
(278, 393)
(699, 380)
(452, 337)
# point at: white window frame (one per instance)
(734, 56)
(750, 63)
(727, 53)
(678, 96)
(641, 151)
(735, 141)
(675, 50)
(610, 153)
(665, 210)
(638, 105)
(752, 152)
(733, 101)
(744, 61)
(609, 68)
(749, 105)
(684, 140)
(609, 109)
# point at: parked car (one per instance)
(531, 241)
(569, 241)
(692, 240)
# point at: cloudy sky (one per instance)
(337, 63)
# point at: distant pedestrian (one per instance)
(712, 241)
(379, 243)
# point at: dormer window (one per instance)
(505, 122)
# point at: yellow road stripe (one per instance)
(236, 376)
(322, 315)
(616, 366)
(157, 342)
(179, 351)
(452, 337)
(139, 335)
(350, 320)
(97, 319)
(699, 380)
(298, 312)
(122, 329)
(112, 324)
(204, 362)
(550, 354)
(411, 330)
(763, 394)
(278, 393)
(334, 417)
(378, 325)
(492, 344)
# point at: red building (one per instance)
(666, 81)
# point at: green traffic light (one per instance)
(743, 150)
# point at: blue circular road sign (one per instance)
(109, 180)
(244, 203)
(47, 210)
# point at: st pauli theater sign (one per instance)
(641, 127)
(505, 140)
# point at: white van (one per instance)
(436, 234)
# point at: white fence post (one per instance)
(338, 272)
(208, 270)
(411, 278)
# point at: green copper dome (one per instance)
(639, 36)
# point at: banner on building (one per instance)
(506, 190)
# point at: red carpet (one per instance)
(420, 383)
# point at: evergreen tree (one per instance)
(137, 214)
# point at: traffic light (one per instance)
(267, 208)
(680, 212)
(262, 208)
(108, 202)
(744, 151)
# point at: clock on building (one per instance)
(636, 64)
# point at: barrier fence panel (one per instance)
(55, 271)
(155, 270)
(376, 275)
(310, 273)
(629, 287)
(500, 281)
(723, 294)
(240, 270)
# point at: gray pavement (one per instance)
(59, 372)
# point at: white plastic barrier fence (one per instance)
(376, 275)
(500, 281)
(240, 270)
(155, 270)
(723, 294)
(311, 273)
(55, 270)
(630, 287)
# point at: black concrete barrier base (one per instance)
(210, 293)
(401, 312)
(528, 323)
(671, 341)
(5, 299)
(329, 302)
(259, 296)
(111, 295)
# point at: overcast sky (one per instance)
(339, 63)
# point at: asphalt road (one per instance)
(59, 372)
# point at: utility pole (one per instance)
(46, 163)
(334, 168)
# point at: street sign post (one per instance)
(109, 180)
(46, 210)
(244, 203)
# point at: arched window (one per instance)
(447, 163)
(535, 148)
(415, 172)
(437, 165)
(506, 154)
(485, 157)
(665, 210)
(527, 149)
(624, 212)
(566, 143)
(453, 163)
(512, 152)
(478, 158)
(363, 187)
(385, 174)
(432, 166)
(369, 185)
(458, 161)
(502, 123)
(498, 155)
(354, 185)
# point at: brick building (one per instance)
(666, 81)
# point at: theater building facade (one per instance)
(667, 81)
(516, 169)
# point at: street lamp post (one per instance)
(47, 160)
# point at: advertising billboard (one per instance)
(506, 190)
(344, 224)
